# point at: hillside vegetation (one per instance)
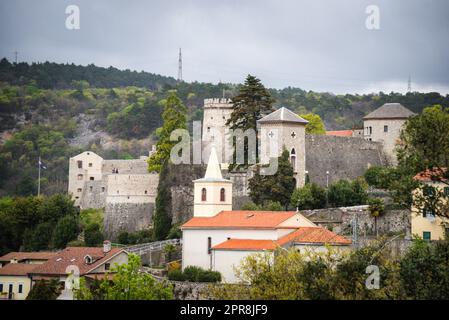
(57, 110)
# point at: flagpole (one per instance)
(39, 179)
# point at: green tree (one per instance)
(162, 219)
(93, 235)
(44, 290)
(315, 125)
(128, 283)
(174, 117)
(249, 105)
(425, 272)
(277, 187)
(347, 193)
(309, 197)
(66, 230)
(377, 209)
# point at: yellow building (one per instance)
(15, 284)
(425, 223)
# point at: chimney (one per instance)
(106, 246)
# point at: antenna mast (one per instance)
(409, 87)
(180, 66)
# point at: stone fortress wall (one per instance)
(124, 188)
(129, 195)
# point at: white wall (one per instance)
(225, 262)
(194, 243)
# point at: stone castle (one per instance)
(127, 192)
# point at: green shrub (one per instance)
(197, 274)
(209, 276)
(309, 197)
(176, 275)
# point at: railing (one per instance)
(143, 248)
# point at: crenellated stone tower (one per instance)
(215, 131)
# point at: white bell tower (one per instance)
(212, 193)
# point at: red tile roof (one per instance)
(431, 175)
(75, 256)
(315, 235)
(246, 244)
(27, 256)
(340, 133)
(306, 235)
(241, 220)
(17, 269)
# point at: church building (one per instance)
(218, 238)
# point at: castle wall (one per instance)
(133, 166)
(344, 157)
(94, 195)
(124, 216)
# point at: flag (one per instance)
(42, 165)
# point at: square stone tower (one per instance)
(384, 125)
(287, 131)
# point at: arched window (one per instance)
(222, 195)
(293, 159)
(203, 194)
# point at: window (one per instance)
(10, 288)
(20, 288)
(91, 178)
(428, 212)
(1, 287)
(79, 190)
(209, 245)
(203, 194)
(370, 130)
(80, 164)
(90, 164)
(446, 191)
(385, 128)
(426, 235)
(293, 159)
(102, 189)
(222, 195)
(107, 266)
(208, 129)
(91, 188)
(80, 177)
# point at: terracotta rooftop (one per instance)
(241, 220)
(246, 244)
(431, 175)
(390, 111)
(305, 235)
(314, 235)
(340, 133)
(17, 269)
(75, 256)
(27, 256)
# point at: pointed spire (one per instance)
(213, 170)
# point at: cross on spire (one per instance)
(293, 134)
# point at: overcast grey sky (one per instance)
(315, 45)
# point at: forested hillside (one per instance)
(57, 110)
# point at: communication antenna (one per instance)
(409, 87)
(180, 66)
(15, 56)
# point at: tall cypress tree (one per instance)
(174, 117)
(161, 219)
(252, 102)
